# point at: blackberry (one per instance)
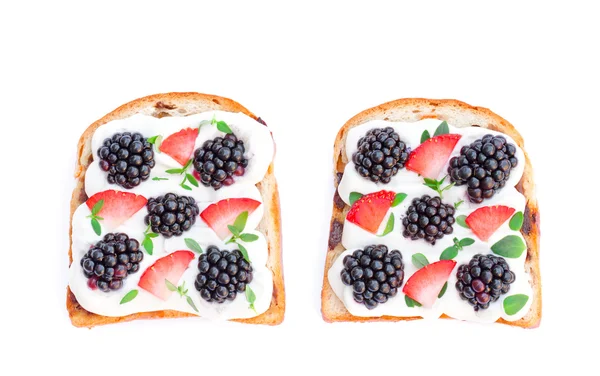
(171, 215)
(484, 166)
(223, 274)
(483, 280)
(381, 153)
(374, 274)
(428, 218)
(218, 160)
(110, 261)
(128, 159)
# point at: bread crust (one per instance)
(413, 109)
(182, 104)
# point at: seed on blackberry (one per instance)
(168, 213)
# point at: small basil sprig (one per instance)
(389, 225)
(452, 251)
(156, 141)
(221, 125)
(95, 218)
(441, 129)
(193, 245)
(156, 178)
(182, 291)
(251, 298)
(187, 177)
(237, 230)
(129, 296)
(458, 203)
(147, 242)
(437, 185)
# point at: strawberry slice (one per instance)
(425, 285)
(118, 206)
(171, 268)
(486, 220)
(369, 210)
(429, 158)
(180, 145)
(224, 212)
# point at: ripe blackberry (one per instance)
(428, 218)
(171, 215)
(483, 280)
(128, 159)
(374, 274)
(223, 274)
(218, 160)
(380, 155)
(484, 166)
(110, 261)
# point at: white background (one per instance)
(306, 69)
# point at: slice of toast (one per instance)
(459, 114)
(183, 104)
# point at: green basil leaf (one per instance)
(223, 127)
(461, 221)
(516, 221)
(187, 164)
(174, 171)
(96, 226)
(249, 237)
(185, 186)
(443, 291)
(466, 242)
(170, 286)
(514, 303)
(458, 203)
(398, 199)
(442, 129)
(97, 207)
(244, 252)
(425, 136)
(449, 253)
(240, 221)
(152, 235)
(389, 226)
(511, 246)
(354, 196)
(129, 296)
(156, 178)
(419, 260)
(431, 181)
(148, 245)
(191, 303)
(234, 230)
(411, 302)
(192, 180)
(203, 122)
(156, 141)
(250, 296)
(193, 245)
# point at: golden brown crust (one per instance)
(413, 109)
(183, 104)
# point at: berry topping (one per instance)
(128, 159)
(223, 274)
(374, 274)
(223, 213)
(369, 210)
(429, 158)
(380, 155)
(484, 166)
(110, 261)
(180, 145)
(425, 285)
(218, 160)
(483, 280)
(428, 218)
(486, 220)
(117, 207)
(171, 215)
(171, 268)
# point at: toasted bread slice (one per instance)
(183, 104)
(459, 114)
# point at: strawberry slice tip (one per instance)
(171, 268)
(429, 158)
(180, 145)
(426, 283)
(118, 206)
(486, 220)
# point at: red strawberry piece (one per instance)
(425, 285)
(369, 210)
(224, 212)
(171, 268)
(486, 220)
(429, 158)
(180, 145)
(118, 206)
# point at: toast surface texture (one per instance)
(459, 114)
(182, 104)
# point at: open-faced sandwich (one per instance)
(175, 213)
(434, 216)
